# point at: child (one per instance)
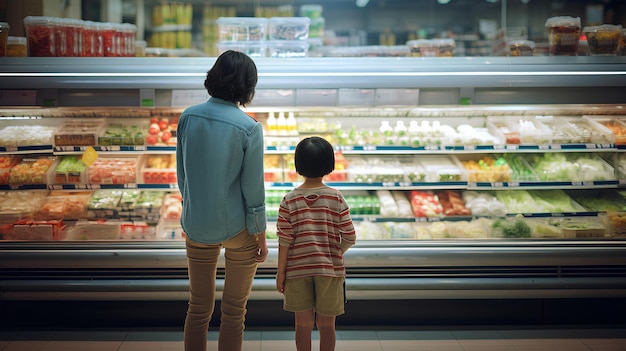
(314, 231)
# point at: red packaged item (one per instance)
(425, 204)
(41, 34)
(36, 230)
(121, 170)
(109, 39)
(88, 39)
(452, 203)
(72, 30)
(159, 169)
(172, 207)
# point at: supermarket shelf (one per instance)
(359, 149)
(453, 185)
(382, 219)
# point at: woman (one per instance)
(219, 164)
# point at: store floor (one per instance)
(375, 339)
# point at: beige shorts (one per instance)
(324, 294)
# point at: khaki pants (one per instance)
(240, 267)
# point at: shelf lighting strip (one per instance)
(317, 74)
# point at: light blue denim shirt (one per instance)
(219, 165)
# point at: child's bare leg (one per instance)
(326, 327)
(304, 327)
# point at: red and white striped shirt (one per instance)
(317, 227)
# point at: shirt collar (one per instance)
(222, 101)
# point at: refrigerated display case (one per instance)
(489, 129)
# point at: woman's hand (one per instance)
(262, 252)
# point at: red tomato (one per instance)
(151, 139)
(166, 136)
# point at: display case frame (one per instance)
(376, 269)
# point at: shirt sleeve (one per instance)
(252, 182)
(346, 226)
(180, 169)
(284, 229)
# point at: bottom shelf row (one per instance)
(133, 214)
(582, 227)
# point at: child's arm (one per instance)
(283, 251)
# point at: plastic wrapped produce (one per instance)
(487, 169)
(554, 200)
(242, 28)
(441, 169)
(159, 169)
(602, 201)
(452, 203)
(404, 206)
(518, 201)
(483, 204)
(31, 171)
(289, 28)
(425, 204)
(388, 206)
(29, 229)
(469, 135)
(172, 207)
(18, 204)
(81, 132)
(370, 231)
(121, 170)
(474, 229)
(510, 228)
(521, 170)
(438, 230)
(615, 125)
(571, 167)
(374, 170)
(537, 201)
(124, 134)
(6, 163)
(26, 135)
(70, 169)
(61, 206)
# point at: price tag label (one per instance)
(90, 156)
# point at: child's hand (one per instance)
(280, 282)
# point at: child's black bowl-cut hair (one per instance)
(314, 157)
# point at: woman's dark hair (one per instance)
(314, 157)
(233, 78)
